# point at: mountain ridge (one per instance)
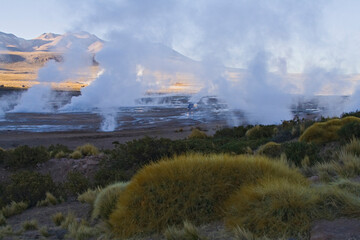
(50, 42)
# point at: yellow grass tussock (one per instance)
(270, 149)
(190, 187)
(322, 132)
(106, 199)
(197, 134)
(273, 208)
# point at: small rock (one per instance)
(314, 179)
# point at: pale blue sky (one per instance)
(336, 42)
(30, 18)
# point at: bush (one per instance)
(29, 186)
(136, 153)
(236, 132)
(30, 225)
(49, 200)
(25, 156)
(323, 132)
(349, 130)
(191, 187)
(108, 175)
(273, 208)
(297, 151)
(88, 150)
(260, 131)
(58, 151)
(197, 134)
(76, 155)
(2, 219)
(76, 183)
(2, 155)
(14, 208)
(105, 201)
(270, 149)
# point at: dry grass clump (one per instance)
(88, 150)
(348, 186)
(197, 134)
(274, 208)
(322, 132)
(6, 231)
(188, 232)
(335, 202)
(280, 209)
(80, 230)
(191, 187)
(270, 149)
(89, 196)
(353, 147)
(30, 225)
(58, 218)
(14, 208)
(105, 201)
(48, 201)
(258, 132)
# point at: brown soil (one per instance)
(72, 139)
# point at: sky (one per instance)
(327, 31)
(29, 19)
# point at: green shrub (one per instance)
(260, 131)
(105, 201)
(58, 218)
(2, 155)
(108, 175)
(164, 194)
(58, 151)
(2, 219)
(270, 149)
(76, 183)
(25, 156)
(30, 225)
(136, 153)
(49, 200)
(349, 130)
(323, 132)
(236, 132)
(88, 150)
(29, 186)
(89, 196)
(297, 151)
(273, 208)
(76, 155)
(14, 208)
(197, 134)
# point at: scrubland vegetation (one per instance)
(262, 182)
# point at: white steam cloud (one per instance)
(251, 54)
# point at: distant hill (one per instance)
(50, 42)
